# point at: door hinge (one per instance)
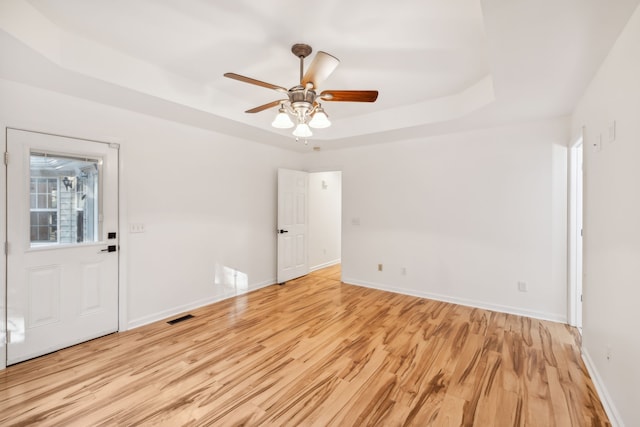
(580, 297)
(6, 158)
(6, 248)
(7, 337)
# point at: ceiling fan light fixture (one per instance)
(302, 131)
(301, 108)
(282, 120)
(320, 120)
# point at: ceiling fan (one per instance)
(302, 101)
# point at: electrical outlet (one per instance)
(522, 286)
(379, 267)
(403, 271)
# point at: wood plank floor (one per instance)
(314, 352)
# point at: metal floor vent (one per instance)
(180, 319)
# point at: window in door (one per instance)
(64, 200)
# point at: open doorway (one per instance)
(325, 219)
(576, 233)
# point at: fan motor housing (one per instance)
(302, 100)
(299, 94)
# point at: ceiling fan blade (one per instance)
(266, 106)
(349, 95)
(255, 82)
(321, 67)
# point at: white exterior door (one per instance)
(293, 202)
(62, 259)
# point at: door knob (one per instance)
(283, 231)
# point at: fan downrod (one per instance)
(301, 50)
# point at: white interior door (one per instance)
(62, 259)
(293, 202)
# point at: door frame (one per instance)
(342, 218)
(123, 241)
(340, 226)
(3, 267)
(576, 235)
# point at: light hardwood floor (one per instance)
(314, 352)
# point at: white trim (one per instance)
(123, 241)
(3, 266)
(553, 317)
(324, 265)
(573, 263)
(165, 314)
(605, 398)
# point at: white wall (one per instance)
(612, 225)
(467, 215)
(325, 214)
(207, 201)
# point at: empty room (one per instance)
(297, 213)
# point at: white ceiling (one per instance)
(439, 65)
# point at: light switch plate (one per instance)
(136, 228)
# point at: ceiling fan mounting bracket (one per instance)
(301, 50)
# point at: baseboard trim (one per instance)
(461, 301)
(605, 398)
(325, 265)
(162, 315)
